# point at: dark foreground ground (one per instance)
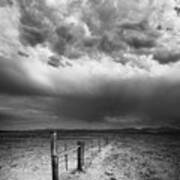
(128, 156)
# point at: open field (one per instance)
(126, 157)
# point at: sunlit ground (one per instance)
(126, 157)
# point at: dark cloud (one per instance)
(137, 26)
(163, 104)
(6, 116)
(15, 80)
(138, 39)
(63, 32)
(136, 90)
(4, 3)
(32, 36)
(34, 24)
(113, 28)
(158, 105)
(61, 39)
(165, 56)
(134, 103)
(104, 20)
(111, 42)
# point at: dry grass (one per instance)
(127, 157)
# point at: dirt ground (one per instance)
(126, 157)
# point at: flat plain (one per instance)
(127, 156)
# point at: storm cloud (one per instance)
(153, 101)
(15, 79)
(111, 63)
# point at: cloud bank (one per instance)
(100, 61)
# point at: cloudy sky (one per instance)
(89, 64)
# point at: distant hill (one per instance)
(85, 132)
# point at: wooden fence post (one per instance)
(83, 152)
(66, 157)
(54, 157)
(80, 155)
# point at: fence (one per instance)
(80, 149)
